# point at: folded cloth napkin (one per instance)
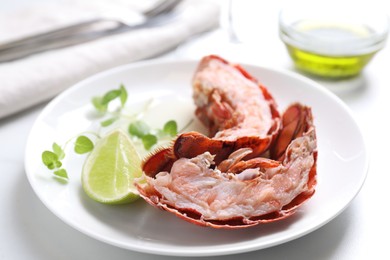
(37, 78)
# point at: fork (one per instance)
(82, 32)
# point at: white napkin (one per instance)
(37, 78)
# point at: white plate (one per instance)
(342, 163)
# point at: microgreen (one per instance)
(148, 136)
(101, 102)
(52, 160)
(149, 140)
(110, 96)
(61, 173)
(170, 128)
(83, 145)
(98, 104)
(58, 151)
(108, 121)
(123, 95)
(139, 128)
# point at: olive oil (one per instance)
(328, 66)
(330, 50)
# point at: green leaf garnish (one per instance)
(123, 95)
(101, 103)
(149, 140)
(61, 173)
(150, 137)
(58, 151)
(50, 159)
(170, 128)
(139, 128)
(108, 121)
(97, 103)
(110, 95)
(83, 145)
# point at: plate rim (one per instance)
(208, 251)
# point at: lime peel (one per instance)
(110, 169)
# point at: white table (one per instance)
(28, 230)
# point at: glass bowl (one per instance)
(332, 42)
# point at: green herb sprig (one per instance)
(53, 159)
(83, 145)
(101, 103)
(150, 137)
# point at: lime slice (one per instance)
(111, 168)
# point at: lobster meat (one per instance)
(232, 103)
(255, 167)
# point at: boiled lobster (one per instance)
(254, 167)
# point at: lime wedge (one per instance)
(110, 169)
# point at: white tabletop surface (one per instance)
(28, 230)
